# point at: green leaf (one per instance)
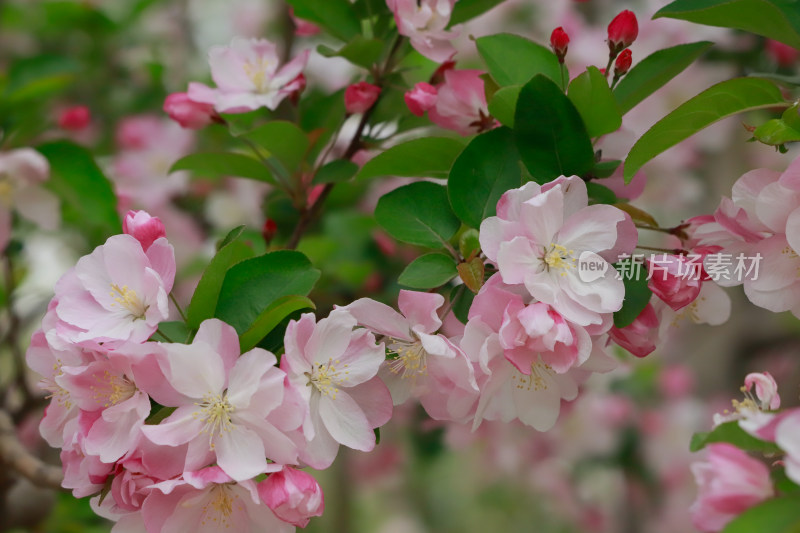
(282, 140)
(776, 19)
(637, 293)
(360, 51)
(504, 103)
(232, 235)
(418, 213)
(472, 273)
(173, 331)
(39, 77)
(779, 515)
(600, 194)
(654, 71)
(605, 169)
(514, 60)
(222, 164)
(206, 295)
(428, 157)
(550, 133)
(336, 171)
(462, 301)
(429, 271)
(87, 197)
(731, 433)
(595, 102)
(776, 132)
(488, 167)
(720, 101)
(271, 317)
(337, 16)
(252, 285)
(465, 10)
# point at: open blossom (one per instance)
(293, 495)
(423, 364)
(787, 437)
(334, 369)
(729, 483)
(540, 233)
(248, 76)
(424, 22)
(753, 413)
(461, 103)
(117, 293)
(22, 172)
(224, 403)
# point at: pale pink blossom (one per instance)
(425, 23)
(334, 369)
(225, 404)
(753, 414)
(208, 501)
(144, 228)
(22, 172)
(84, 474)
(293, 495)
(787, 437)
(461, 103)
(421, 98)
(729, 483)
(538, 237)
(422, 364)
(248, 76)
(188, 113)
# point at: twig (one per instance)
(21, 461)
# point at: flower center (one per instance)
(6, 191)
(411, 359)
(128, 299)
(220, 506)
(558, 257)
(327, 377)
(111, 389)
(215, 410)
(257, 72)
(539, 379)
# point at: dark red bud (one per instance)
(622, 31)
(559, 42)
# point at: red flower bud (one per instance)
(295, 88)
(559, 42)
(269, 230)
(74, 118)
(783, 54)
(622, 31)
(188, 113)
(360, 96)
(623, 63)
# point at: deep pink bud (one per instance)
(676, 281)
(623, 63)
(559, 42)
(143, 227)
(269, 230)
(622, 31)
(293, 495)
(295, 88)
(359, 97)
(640, 336)
(74, 118)
(188, 113)
(783, 54)
(421, 98)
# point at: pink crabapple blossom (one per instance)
(361, 96)
(188, 113)
(293, 495)
(424, 22)
(334, 369)
(421, 98)
(144, 228)
(461, 103)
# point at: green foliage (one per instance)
(595, 102)
(465, 10)
(637, 293)
(223, 164)
(514, 60)
(654, 71)
(271, 317)
(778, 131)
(488, 167)
(504, 103)
(427, 157)
(206, 295)
(338, 17)
(252, 285)
(418, 213)
(336, 171)
(779, 515)
(731, 433)
(429, 271)
(550, 134)
(720, 101)
(39, 77)
(88, 199)
(776, 19)
(282, 140)
(359, 51)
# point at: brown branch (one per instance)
(17, 458)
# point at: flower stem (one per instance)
(177, 306)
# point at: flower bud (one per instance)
(295, 88)
(74, 118)
(640, 336)
(144, 228)
(359, 97)
(188, 113)
(293, 495)
(421, 98)
(623, 63)
(438, 76)
(559, 42)
(269, 230)
(783, 54)
(622, 31)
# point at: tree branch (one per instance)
(17, 458)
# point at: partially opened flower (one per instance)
(334, 369)
(424, 22)
(293, 495)
(460, 103)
